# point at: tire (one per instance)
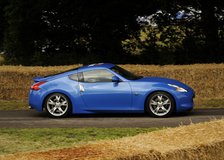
(160, 104)
(57, 105)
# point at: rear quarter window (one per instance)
(74, 77)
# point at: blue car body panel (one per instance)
(124, 96)
(107, 96)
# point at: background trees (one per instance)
(56, 32)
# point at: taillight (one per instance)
(37, 85)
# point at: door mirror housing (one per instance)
(115, 79)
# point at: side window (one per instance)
(74, 77)
(100, 75)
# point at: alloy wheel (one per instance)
(57, 105)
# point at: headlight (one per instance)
(179, 89)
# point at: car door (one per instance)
(99, 93)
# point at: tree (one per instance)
(209, 25)
(3, 3)
(23, 27)
(57, 32)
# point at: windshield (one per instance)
(124, 73)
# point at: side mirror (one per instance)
(115, 79)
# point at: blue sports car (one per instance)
(108, 88)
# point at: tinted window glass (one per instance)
(74, 77)
(124, 73)
(97, 76)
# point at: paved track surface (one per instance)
(33, 119)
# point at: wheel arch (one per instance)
(53, 92)
(150, 93)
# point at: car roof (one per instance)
(83, 68)
(96, 66)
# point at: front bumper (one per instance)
(185, 101)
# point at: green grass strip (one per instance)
(13, 105)
(41, 139)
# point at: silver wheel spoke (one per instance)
(153, 102)
(51, 102)
(164, 109)
(53, 109)
(57, 105)
(58, 98)
(160, 98)
(160, 104)
(64, 103)
(60, 109)
(166, 102)
(157, 110)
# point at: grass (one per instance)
(13, 105)
(26, 140)
(197, 141)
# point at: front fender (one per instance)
(141, 93)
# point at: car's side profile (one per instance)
(108, 88)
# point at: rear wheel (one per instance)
(160, 104)
(57, 105)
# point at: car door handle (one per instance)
(81, 88)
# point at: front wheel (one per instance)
(57, 105)
(160, 104)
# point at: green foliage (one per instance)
(169, 38)
(23, 20)
(156, 42)
(57, 32)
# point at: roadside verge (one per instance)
(197, 141)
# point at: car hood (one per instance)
(163, 80)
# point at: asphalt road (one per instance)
(33, 119)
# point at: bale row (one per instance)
(206, 79)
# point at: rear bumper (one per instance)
(35, 101)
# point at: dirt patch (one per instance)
(198, 141)
(81, 153)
